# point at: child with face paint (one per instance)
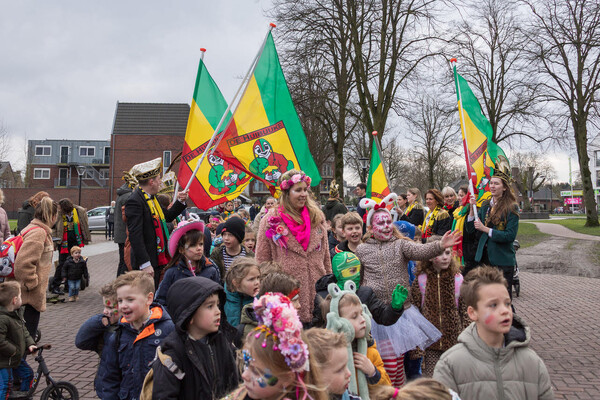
(277, 360)
(346, 267)
(492, 359)
(436, 293)
(384, 257)
(94, 333)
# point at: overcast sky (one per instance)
(66, 64)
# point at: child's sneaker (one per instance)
(71, 298)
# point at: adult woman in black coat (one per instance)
(414, 213)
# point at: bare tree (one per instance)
(531, 171)
(390, 39)
(5, 146)
(491, 49)
(565, 43)
(316, 38)
(434, 133)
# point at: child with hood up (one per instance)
(197, 360)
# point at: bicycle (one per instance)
(56, 390)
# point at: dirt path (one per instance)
(559, 230)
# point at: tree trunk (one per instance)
(591, 212)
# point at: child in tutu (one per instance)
(277, 361)
(384, 256)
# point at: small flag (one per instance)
(377, 184)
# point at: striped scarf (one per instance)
(160, 228)
(64, 245)
(427, 226)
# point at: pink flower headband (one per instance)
(278, 318)
(296, 178)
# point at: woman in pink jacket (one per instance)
(294, 234)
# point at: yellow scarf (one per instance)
(64, 245)
(410, 207)
(429, 220)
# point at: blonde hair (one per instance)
(240, 268)
(415, 191)
(278, 282)
(46, 211)
(268, 267)
(136, 279)
(335, 220)
(243, 214)
(349, 299)
(322, 342)
(260, 344)
(426, 266)
(108, 291)
(1, 197)
(316, 215)
(447, 191)
(352, 218)
(419, 389)
(74, 249)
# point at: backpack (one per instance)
(8, 254)
(165, 360)
(422, 278)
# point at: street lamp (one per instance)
(80, 171)
(364, 164)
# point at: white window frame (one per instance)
(41, 171)
(87, 153)
(166, 164)
(104, 173)
(41, 146)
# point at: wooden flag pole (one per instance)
(453, 61)
(210, 142)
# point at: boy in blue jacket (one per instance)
(95, 332)
(131, 349)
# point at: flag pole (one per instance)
(247, 80)
(453, 61)
(202, 52)
(210, 143)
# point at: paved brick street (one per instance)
(561, 310)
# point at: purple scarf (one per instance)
(301, 231)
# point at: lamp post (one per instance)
(80, 171)
(364, 165)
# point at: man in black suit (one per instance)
(145, 223)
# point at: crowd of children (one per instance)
(229, 327)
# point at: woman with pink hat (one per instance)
(186, 247)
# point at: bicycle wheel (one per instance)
(60, 391)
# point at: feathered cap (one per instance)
(372, 206)
(334, 190)
(502, 170)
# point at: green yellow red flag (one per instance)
(265, 137)
(216, 180)
(377, 184)
(480, 150)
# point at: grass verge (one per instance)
(575, 224)
(529, 235)
(12, 223)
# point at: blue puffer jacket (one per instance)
(93, 335)
(234, 304)
(208, 269)
(129, 354)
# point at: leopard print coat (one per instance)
(440, 308)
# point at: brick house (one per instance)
(143, 131)
(8, 177)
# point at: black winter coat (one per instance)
(332, 208)
(141, 228)
(209, 363)
(207, 269)
(123, 194)
(24, 216)
(73, 271)
(382, 313)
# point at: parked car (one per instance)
(97, 218)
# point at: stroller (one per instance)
(516, 281)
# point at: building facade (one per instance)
(55, 163)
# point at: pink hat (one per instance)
(182, 228)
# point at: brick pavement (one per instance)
(561, 310)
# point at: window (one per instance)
(598, 178)
(87, 151)
(104, 174)
(258, 186)
(166, 160)
(41, 173)
(43, 150)
(89, 173)
(325, 184)
(326, 169)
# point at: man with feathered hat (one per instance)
(146, 219)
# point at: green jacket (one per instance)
(500, 248)
(476, 371)
(14, 338)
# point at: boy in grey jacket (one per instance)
(492, 359)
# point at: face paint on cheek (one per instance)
(488, 318)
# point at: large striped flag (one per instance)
(265, 137)
(480, 150)
(217, 180)
(377, 184)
